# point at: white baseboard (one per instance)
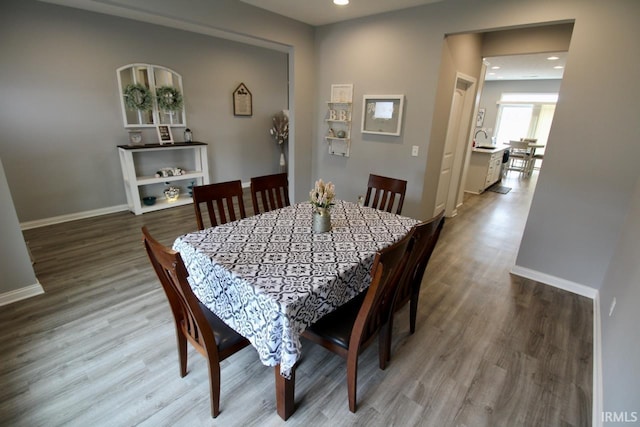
(556, 282)
(597, 405)
(588, 292)
(71, 217)
(20, 294)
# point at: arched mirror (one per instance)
(150, 95)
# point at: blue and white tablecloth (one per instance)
(269, 276)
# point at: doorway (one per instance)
(449, 183)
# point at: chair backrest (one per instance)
(384, 191)
(187, 314)
(377, 305)
(269, 192)
(423, 242)
(519, 148)
(221, 197)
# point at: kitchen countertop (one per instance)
(491, 149)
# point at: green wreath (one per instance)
(137, 97)
(169, 98)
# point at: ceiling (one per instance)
(321, 12)
(526, 67)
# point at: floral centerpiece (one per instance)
(321, 197)
(280, 133)
(322, 194)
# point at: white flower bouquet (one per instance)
(322, 194)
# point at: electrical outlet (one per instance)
(613, 305)
(414, 151)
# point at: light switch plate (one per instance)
(414, 151)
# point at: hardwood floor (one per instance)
(490, 349)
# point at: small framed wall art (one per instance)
(480, 117)
(242, 101)
(342, 93)
(164, 134)
(382, 114)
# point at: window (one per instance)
(525, 115)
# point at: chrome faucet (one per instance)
(478, 131)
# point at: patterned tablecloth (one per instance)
(269, 276)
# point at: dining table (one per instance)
(270, 276)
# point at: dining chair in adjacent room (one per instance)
(194, 322)
(222, 197)
(382, 192)
(269, 192)
(423, 241)
(519, 156)
(352, 327)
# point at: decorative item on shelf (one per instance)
(169, 98)
(331, 133)
(164, 134)
(137, 97)
(280, 133)
(135, 137)
(166, 172)
(172, 194)
(188, 135)
(321, 197)
(149, 201)
(342, 134)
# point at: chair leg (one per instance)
(384, 343)
(413, 312)
(182, 352)
(352, 379)
(214, 385)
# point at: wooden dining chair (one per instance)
(194, 322)
(221, 197)
(352, 327)
(384, 191)
(272, 191)
(423, 241)
(519, 156)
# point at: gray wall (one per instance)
(61, 118)
(15, 264)
(620, 336)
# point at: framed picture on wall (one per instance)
(342, 93)
(382, 114)
(242, 101)
(164, 134)
(480, 117)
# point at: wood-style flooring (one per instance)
(490, 349)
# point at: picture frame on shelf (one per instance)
(382, 114)
(242, 101)
(135, 137)
(164, 134)
(342, 92)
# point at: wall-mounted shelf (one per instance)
(338, 120)
(139, 163)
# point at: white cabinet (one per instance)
(484, 169)
(140, 164)
(339, 128)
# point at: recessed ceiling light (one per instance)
(558, 67)
(495, 67)
(341, 2)
(553, 58)
(492, 74)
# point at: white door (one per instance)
(455, 141)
